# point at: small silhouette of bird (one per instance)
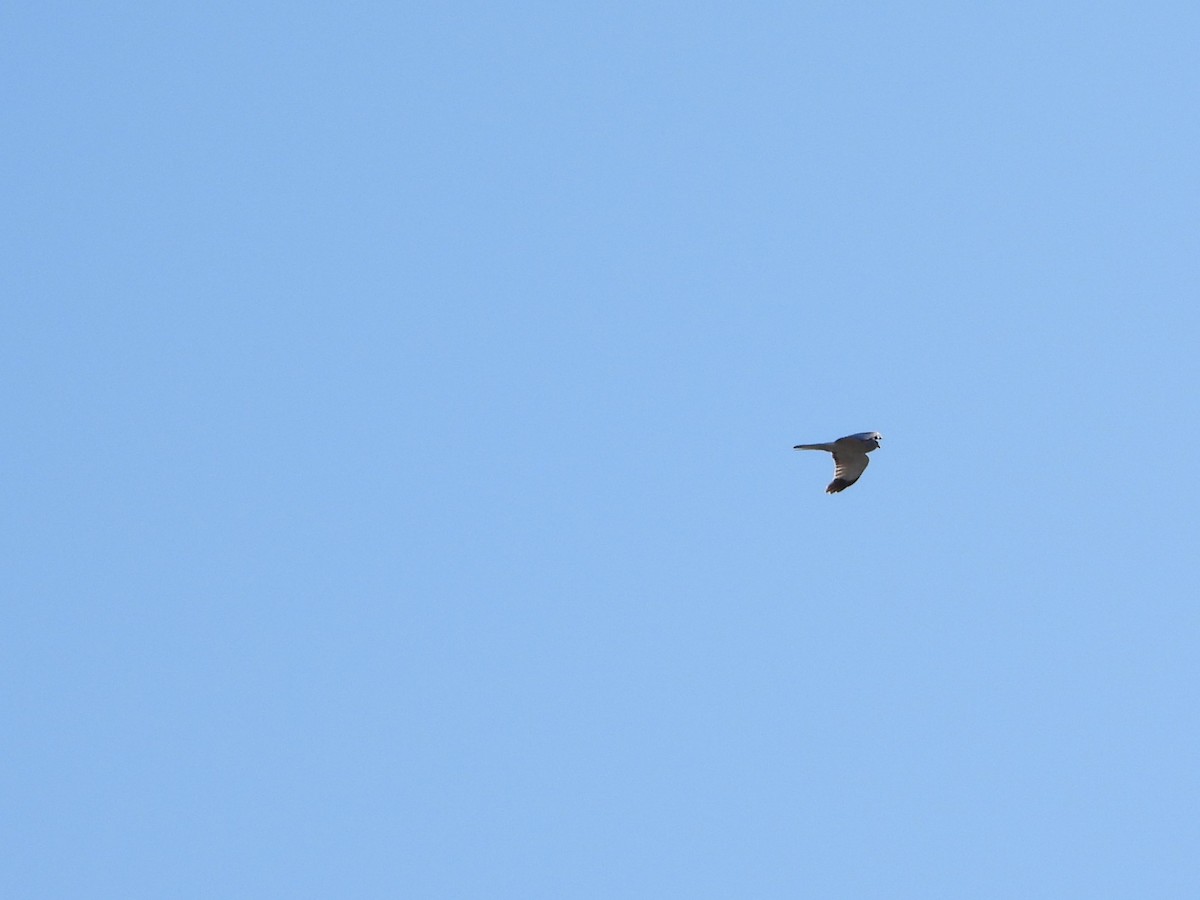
(849, 457)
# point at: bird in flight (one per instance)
(849, 457)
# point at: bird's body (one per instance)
(849, 457)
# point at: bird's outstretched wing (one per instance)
(849, 466)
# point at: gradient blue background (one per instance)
(398, 494)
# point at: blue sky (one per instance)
(399, 498)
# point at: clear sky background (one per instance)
(398, 493)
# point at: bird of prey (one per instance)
(849, 457)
